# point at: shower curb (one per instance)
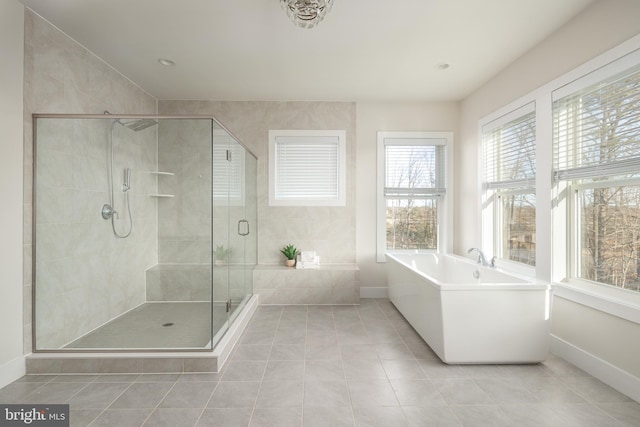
(144, 362)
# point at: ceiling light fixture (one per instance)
(306, 13)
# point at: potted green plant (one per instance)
(220, 255)
(291, 253)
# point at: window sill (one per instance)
(617, 302)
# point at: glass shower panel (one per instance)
(248, 228)
(222, 250)
(123, 233)
(185, 221)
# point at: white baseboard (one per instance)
(12, 370)
(609, 374)
(374, 292)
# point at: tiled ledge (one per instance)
(329, 284)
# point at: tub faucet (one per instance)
(482, 259)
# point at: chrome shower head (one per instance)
(137, 124)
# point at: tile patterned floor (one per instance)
(337, 366)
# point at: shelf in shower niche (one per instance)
(162, 173)
(162, 196)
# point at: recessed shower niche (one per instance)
(144, 230)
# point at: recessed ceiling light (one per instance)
(166, 62)
(442, 66)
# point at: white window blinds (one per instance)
(596, 130)
(414, 167)
(510, 150)
(307, 168)
(228, 170)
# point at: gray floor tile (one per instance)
(234, 394)
(251, 352)
(83, 417)
(482, 416)
(403, 369)
(364, 369)
(505, 390)
(244, 371)
(594, 390)
(328, 416)
(532, 415)
(97, 395)
(194, 378)
(585, 416)
(54, 393)
(379, 417)
(172, 417)
(417, 393)
(371, 393)
(122, 418)
(142, 395)
(326, 393)
(17, 391)
(284, 370)
(461, 392)
(287, 352)
(324, 370)
(627, 413)
(225, 417)
(117, 378)
(280, 394)
(189, 395)
(430, 416)
(337, 366)
(280, 417)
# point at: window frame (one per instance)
(569, 181)
(491, 223)
(445, 202)
(552, 264)
(341, 198)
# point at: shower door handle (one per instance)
(243, 221)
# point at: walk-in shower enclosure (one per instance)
(144, 232)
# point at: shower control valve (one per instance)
(107, 211)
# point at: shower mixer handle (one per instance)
(107, 211)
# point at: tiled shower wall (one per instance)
(185, 220)
(330, 231)
(63, 77)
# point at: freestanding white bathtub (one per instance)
(468, 313)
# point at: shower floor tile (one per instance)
(157, 325)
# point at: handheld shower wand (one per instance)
(126, 186)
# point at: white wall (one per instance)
(592, 337)
(371, 118)
(11, 161)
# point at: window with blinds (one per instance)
(307, 168)
(415, 169)
(412, 179)
(596, 146)
(228, 171)
(510, 150)
(597, 130)
(509, 155)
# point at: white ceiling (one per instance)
(363, 50)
